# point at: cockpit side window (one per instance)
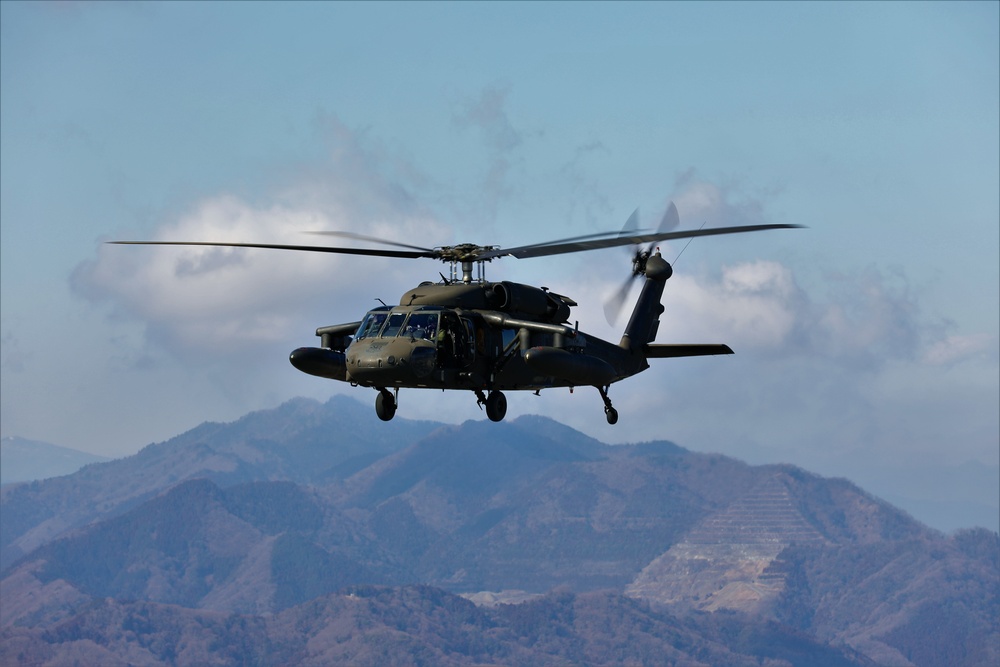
(422, 325)
(393, 325)
(370, 325)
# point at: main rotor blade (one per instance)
(541, 250)
(588, 237)
(437, 253)
(373, 239)
(630, 229)
(371, 252)
(491, 252)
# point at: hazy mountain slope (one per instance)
(585, 524)
(824, 557)
(721, 562)
(929, 601)
(300, 440)
(415, 625)
(249, 548)
(466, 508)
(469, 506)
(472, 506)
(23, 460)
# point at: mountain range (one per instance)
(315, 534)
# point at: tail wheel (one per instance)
(385, 405)
(609, 411)
(496, 406)
(612, 415)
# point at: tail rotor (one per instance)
(670, 220)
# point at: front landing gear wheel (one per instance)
(385, 405)
(612, 415)
(496, 406)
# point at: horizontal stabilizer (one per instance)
(698, 350)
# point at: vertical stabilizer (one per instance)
(645, 319)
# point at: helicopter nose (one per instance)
(398, 365)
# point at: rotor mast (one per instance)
(467, 271)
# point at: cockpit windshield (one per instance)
(393, 325)
(371, 324)
(388, 324)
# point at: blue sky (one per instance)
(867, 345)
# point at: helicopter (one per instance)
(467, 333)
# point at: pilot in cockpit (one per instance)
(422, 326)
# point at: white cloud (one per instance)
(752, 302)
(954, 349)
(217, 298)
(858, 321)
(200, 301)
(715, 205)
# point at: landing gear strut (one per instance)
(385, 405)
(609, 411)
(496, 404)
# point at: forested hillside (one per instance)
(288, 538)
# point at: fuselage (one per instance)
(493, 336)
(490, 337)
(438, 347)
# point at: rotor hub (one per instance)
(465, 252)
(468, 256)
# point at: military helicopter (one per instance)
(467, 333)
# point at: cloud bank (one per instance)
(198, 300)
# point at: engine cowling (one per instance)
(525, 300)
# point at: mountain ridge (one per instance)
(275, 515)
(24, 460)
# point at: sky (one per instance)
(867, 345)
